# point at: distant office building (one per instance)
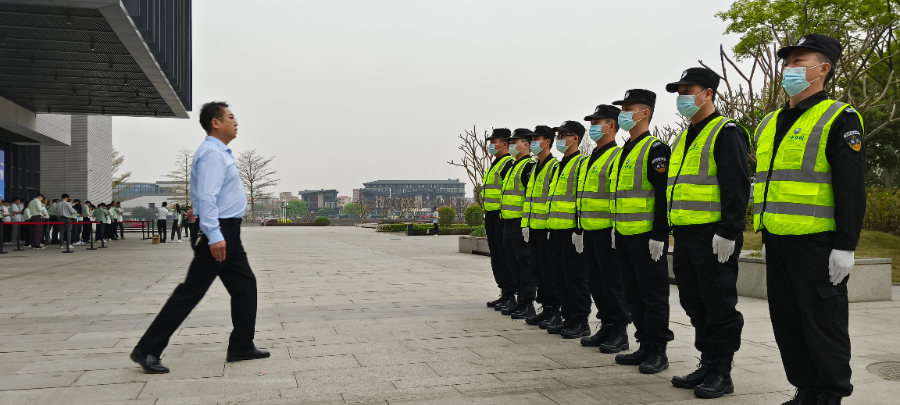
(355, 195)
(287, 196)
(428, 191)
(318, 199)
(344, 200)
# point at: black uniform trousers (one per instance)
(570, 277)
(542, 268)
(708, 289)
(518, 255)
(161, 229)
(238, 279)
(809, 314)
(646, 285)
(493, 228)
(604, 277)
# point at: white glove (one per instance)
(525, 233)
(839, 265)
(722, 247)
(578, 241)
(763, 252)
(656, 250)
(612, 235)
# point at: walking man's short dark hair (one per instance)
(210, 110)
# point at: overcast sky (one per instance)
(346, 92)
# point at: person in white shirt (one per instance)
(15, 209)
(435, 221)
(120, 216)
(7, 217)
(161, 214)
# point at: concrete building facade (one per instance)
(430, 192)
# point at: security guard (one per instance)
(641, 231)
(809, 201)
(708, 191)
(491, 193)
(571, 279)
(535, 226)
(595, 218)
(512, 204)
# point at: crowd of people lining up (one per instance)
(79, 222)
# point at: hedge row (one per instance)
(882, 210)
(427, 229)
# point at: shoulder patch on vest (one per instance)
(730, 125)
(853, 139)
(850, 110)
(660, 164)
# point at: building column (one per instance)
(84, 169)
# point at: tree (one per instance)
(181, 176)
(256, 175)
(119, 181)
(407, 206)
(297, 208)
(325, 212)
(459, 204)
(476, 159)
(358, 208)
(366, 206)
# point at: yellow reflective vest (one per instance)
(793, 193)
(492, 184)
(512, 201)
(633, 195)
(562, 195)
(536, 212)
(594, 198)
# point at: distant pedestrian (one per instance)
(7, 217)
(15, 210)
(86, 236)
(101, 215)
(120, 220)
(434, 221)
(54, 229)
(37, 231)
(161, 214)
(76, 217)
(177, 217)
(217, 189)
(66, 214)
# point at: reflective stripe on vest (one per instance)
(793, 193)
(562, 196)
(537, 196)
(594, 197)
(634, 197)
(491, 185)
(513, 199)
(692, 189)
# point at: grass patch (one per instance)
(871, 244)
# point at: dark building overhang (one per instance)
(129, 58)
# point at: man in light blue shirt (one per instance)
(220, 202)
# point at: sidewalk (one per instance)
(350, 316)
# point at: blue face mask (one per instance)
(794, 80)
(513, 150)
(625, 120)
(492, 149)
(596, 132)
(536, 147)
(687, 105)
(561, 145)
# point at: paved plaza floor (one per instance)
(350, 316)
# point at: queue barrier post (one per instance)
(91, 234)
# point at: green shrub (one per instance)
(882, 210)
(474, 215)
(391, 228)
(478, 231)
(323, 220)
(446, 216)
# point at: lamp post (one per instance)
(284, 210)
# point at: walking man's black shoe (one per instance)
(598, 338)
(546, 313)
(148, 362)
(616, 340)
(635, 358)
(524, 311)
(828, 399)
(695, 378)
(656, 361)
(254, 354)
(576, 330)
(803, 397)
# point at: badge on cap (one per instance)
(683, 74)
(627, 93)
(597, 110)
(801, 41)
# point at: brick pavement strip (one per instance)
(351, 316)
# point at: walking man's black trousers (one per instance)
(161, 229)
(238, 279)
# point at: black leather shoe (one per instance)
(494, 303)
(148, 362)
(656, 361)
(556, 324)
(828, 399)
(715, 385)
(254, 354)
(803, 397)
(509, 300)
(597, 338)
(635, 358)
(576, 330)
(546, 313)
(693, 379)
(524, 311)
(512, 307)
(554, 319)
(616, 340)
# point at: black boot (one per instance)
(656, 361)
(512, 307)
(599, 337)
(556, 328)
(546, 313)
(635, 358)
(616, 341)
(803, 397)
(718, 381)
(509, 300)
(576, 330)
(526, 310)
(696, 378)
(555, 318)
(494, 303)
(828, 399)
